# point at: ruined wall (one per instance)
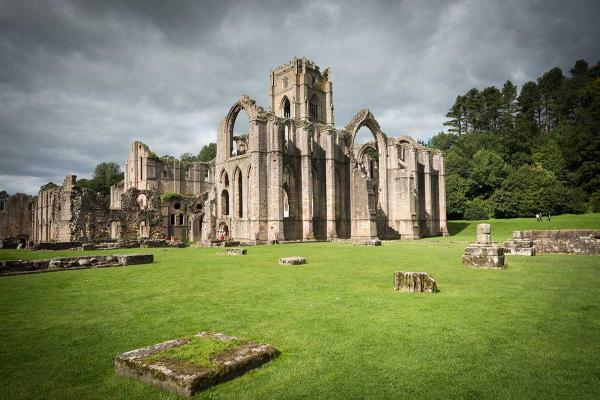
(15, 219)
(568, 241)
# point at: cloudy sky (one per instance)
(79, 80)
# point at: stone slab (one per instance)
(16, 267)
(186, 378)
(484, 250)
(236, 251)
(484, 229)
(483, 261)
(414, 282)
(292, 260)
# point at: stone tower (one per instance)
(300, 90)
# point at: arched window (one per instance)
(240, 197)
(286, 137)
(286, 201)
(142, 201)
(225, 202)
(224, 179)
(286, 107)
(313, 107)
(238, 129)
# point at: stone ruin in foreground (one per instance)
(483, 253)
(289, 175)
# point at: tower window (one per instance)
(313, 107)
(180, 219)
(286, 108)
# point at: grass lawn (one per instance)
(529, 331)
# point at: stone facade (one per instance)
(15, 220)
(292, 176)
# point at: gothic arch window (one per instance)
(286, 137)
(313, 107)
(224, 203)
(224, 179)
(285, 105)
(142, 201)
(238, 128)
(286, 201)
(240, 193)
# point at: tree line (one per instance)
(514, 153)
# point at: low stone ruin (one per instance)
(184, 377)
(235, 251)
(519, 246)
(484, 254)
(564, 241)
(16, 267)
(414, 282)
(292, 260)
(369, 242)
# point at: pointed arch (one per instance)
(286, 107)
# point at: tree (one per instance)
(529, 104)
(549, 85)
(208, 152)
(188, 157)
(457, 189)
(548, 156)
(49, 185)
(442, 141)
(487, 172)
(457, 123)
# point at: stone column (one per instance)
(306, 180)
(330, 183)
(442, 196)
(275, 208)
(428, 199)
(257, 204)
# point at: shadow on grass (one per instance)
(456, 227)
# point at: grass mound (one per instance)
(199, 351)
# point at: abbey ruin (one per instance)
(292, 176)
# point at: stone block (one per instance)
(414, 282)
(186, 378)
(371, 242)
(230, 243)
(484, 256)
(133, 259)
(292, 260)
(236, 251)
(484, 238)
(484, 229)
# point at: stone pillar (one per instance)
(428, 228)
(442, 195)
(484, 234)
(275, 182)
(258, 205)
(306, 180)
(330, 183)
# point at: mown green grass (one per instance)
(199, 351)
(529, 331)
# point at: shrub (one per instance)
(171, 196)
(477, 209)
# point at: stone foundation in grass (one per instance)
(368, 242)
(564, 241)
(155, 366)
(15, 267)
(414, 282)
(235, 252)
(292, 260)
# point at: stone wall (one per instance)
(568, 241)
(15, 220)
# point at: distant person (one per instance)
(548, 216)
(537, 217)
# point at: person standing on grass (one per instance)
(548, 215)
(537, 217)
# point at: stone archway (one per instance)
(223, 231)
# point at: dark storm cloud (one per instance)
(79, 80)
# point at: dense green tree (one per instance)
(548, 156)
(49, 185)
(457, 190)
(208, 152)
(488, 171)
(442, 141)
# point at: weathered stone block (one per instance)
(230, 243)
(371, 242)
(482, 250)
(132, 259)
(484, 229)
(484, 238)
(292, 260)
(186, 378)
(519, 247)
(484, 257)
(235, 252)
(414, 282)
